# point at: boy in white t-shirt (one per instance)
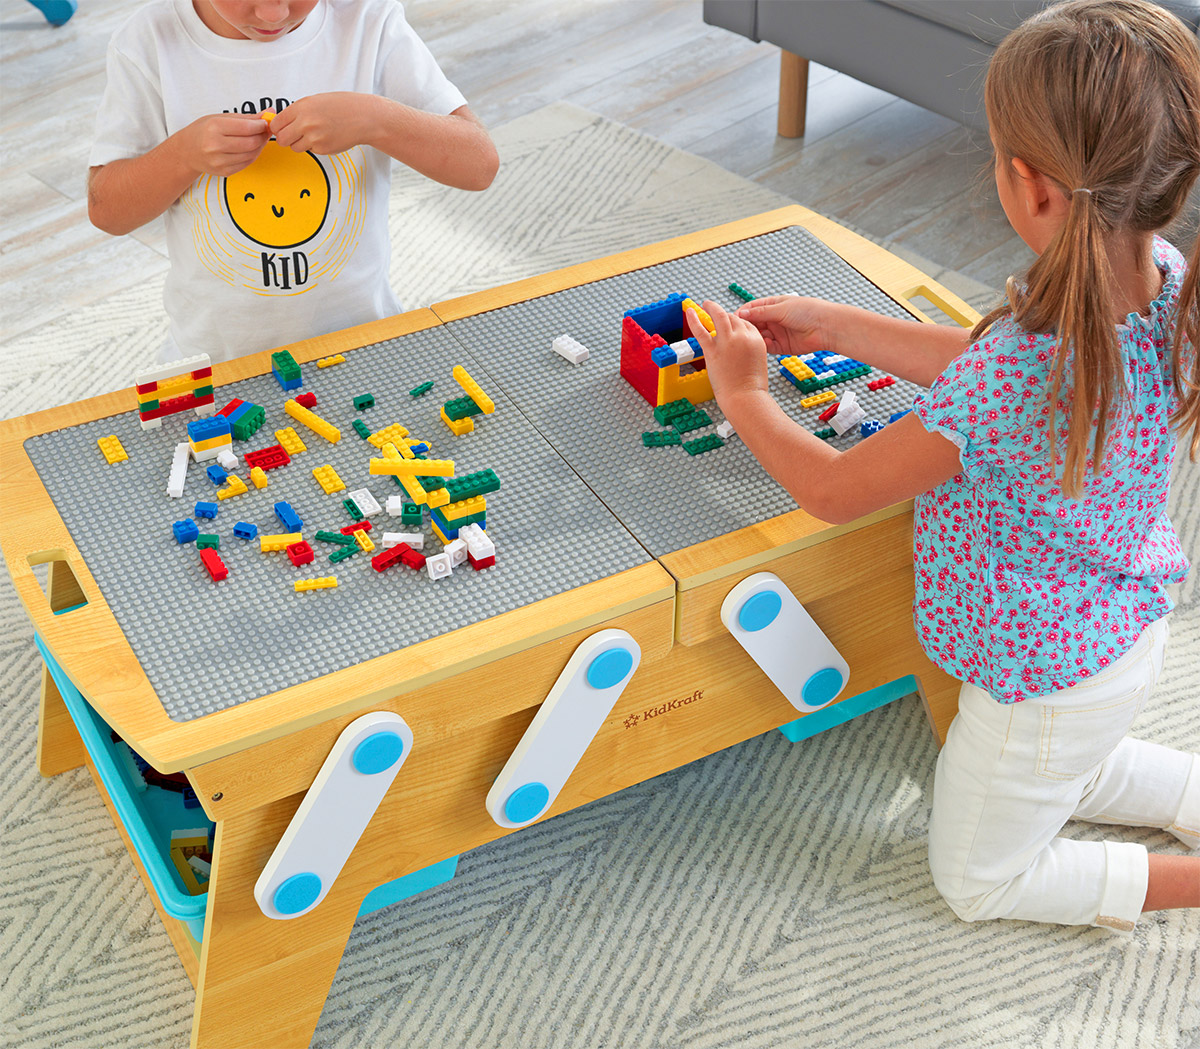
(265, 133)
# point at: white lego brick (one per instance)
(227, 459)
(414, 539)
(477, 541)
(366, 502)
(725, 430)
(848, 399)
(438, 566)
(683, 351)
(457, 550)
(179, 465)
(571, 349)
(395, 505)
(173, 368)
(206, 454)
(151, 424)
(200, 866)
(847, 419)
(204, 410)
(833, 358)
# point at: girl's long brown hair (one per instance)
(1102, 95)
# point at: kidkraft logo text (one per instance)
(675, 704)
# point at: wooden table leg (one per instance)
(263, 982)
(793, 94)
(59, 747)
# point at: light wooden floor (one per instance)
(881, 164)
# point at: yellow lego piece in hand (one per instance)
(705, 319)
(320, 583)
(472, 390)
(290, 441)
(113, 449)
(259, 476)
(327, 477)
(234, 486)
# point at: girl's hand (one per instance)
(735, 355)
(328, 123)
(790, 324)
(221, 144)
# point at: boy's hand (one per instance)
(735, 354)
(222, 144)
(332, 122)
(789, 324)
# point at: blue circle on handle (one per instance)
(297, 893)
(759, 610)
(526, 802)
(609, 668)
(822, 687)
(377, 753)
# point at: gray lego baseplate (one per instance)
(207, 646)
(594, 418)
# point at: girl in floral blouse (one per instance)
(1040, 457)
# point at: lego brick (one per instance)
(570, 349)
(307, 400)
(442, 537)
(207, 541)
(460, 408)
(386, 558)
(112, 449)
(202, 430)
(826, 433)
(411, 514)
(247, 422)
(336, 538)
(455, 511)
(479, 482)
(741, 292)
(179, 464)
(361, 525)
(422, 389)
(285, 369)
(366, 502)
(438, 566)
(458, 427)
(258, 477)
(704, 318)
(898, 415)
(231, 407)
(327, 477)
(290, 441)
(478, 541)
(314, 422)
(828, 414)
(216, 473)
(817, 399)
(725, 430)
(234, 485)
(881, 383)
(268, 544)
(339, 556)
(681, 352)
(214, 564)
(198, 366)
(456, 551)
(412, 467)
(388, 435)
(361, 428)
(329, 362)
(660, 438)
(206, 509)
(415, 540)
(320, 583)
(364, 541)
(270, 458)
(352, 509)
(664, 413)
(300, 553)
(227, 460)
(870, 427)
(364, 401)
(480, 563)
(473, 390)
(703, 444)
(185, 531)
(288, 517)
(245, 530)
(693, 420)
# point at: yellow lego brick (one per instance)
(327, 478)
(167, 389)
(458, 426)
(329, 362)
(464, 508)
(438, 532)
(290, 441)
(388, 435)
(390, 451)
(473, 391)
(437, 498)
(234, 485)
(270, 543)
(324, 582)
(824, 397)
(259, 476)
(363, 540)
(220, 441)
(413, 467)
(186, 874)
(705, 319)
(113, 449)
(313, 421)
(797, 367)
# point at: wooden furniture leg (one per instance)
(793, 94)
(59, 747)
(263, 982)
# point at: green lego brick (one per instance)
(205, 540)
(424, 388)
(147, 406)
(352, 509)
(481, 482)
(432, 484)
(660, 438)
(361, 428)
(664, 413)
(341, 555)
(336, 537)
(741, 292)
(813, 385)
(702, 444)
(826, 433)
(461, 408)
(410, 514)
(364, 401)
(285, 364)
(249, 423)
(691, 421)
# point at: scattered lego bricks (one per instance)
(457, 412)
(216, 567)
(421, 390)
(703, 444)
(361, 428)
(234, 485)
(327, 477)
(206, 542)
(393, 434)
(290, 441)
(828, 369)
(741, 292)
(269, 458)
(660, 438)
(570, 349)
(693, 420)
(329, 362)
(320, 583)
(112, 449)
(364, 401)
(313, 421)
(285, 369)
(245, 419)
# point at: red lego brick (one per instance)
(306, 400)
(214, 564)
(268, 458)
(202, 373)
(413, 558)
(829, 412)
(231, 407)
(481, 563)
(387, 558)
(358, 526)
(879, 384)
(637, 368)
(300, 553)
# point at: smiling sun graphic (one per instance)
(281, 200)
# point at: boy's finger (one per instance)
(699, 332)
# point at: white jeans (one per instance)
(1011, 775)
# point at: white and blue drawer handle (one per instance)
(567, 722)
(333, 815)
(782, 638)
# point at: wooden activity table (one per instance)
(263, 982)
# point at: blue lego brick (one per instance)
(207, 428)
(898, 415)
(662, 317)
(290, 519)
(419, 449)
(185, 531)
(239, 411)
(870, 427)
(665, 356)
(216, 474)
(245, 530)
(451, 532)
(206, 509)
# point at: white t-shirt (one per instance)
(295, 245)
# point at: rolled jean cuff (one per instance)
(1187, 821)
(1126, 878)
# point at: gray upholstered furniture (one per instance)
(931, 52)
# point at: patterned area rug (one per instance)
(769, 895)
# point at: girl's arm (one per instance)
(454, 149)
(900, 462)
(913, 351)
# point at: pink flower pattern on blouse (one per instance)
(1020, 590)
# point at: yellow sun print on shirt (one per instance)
(281, 200)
